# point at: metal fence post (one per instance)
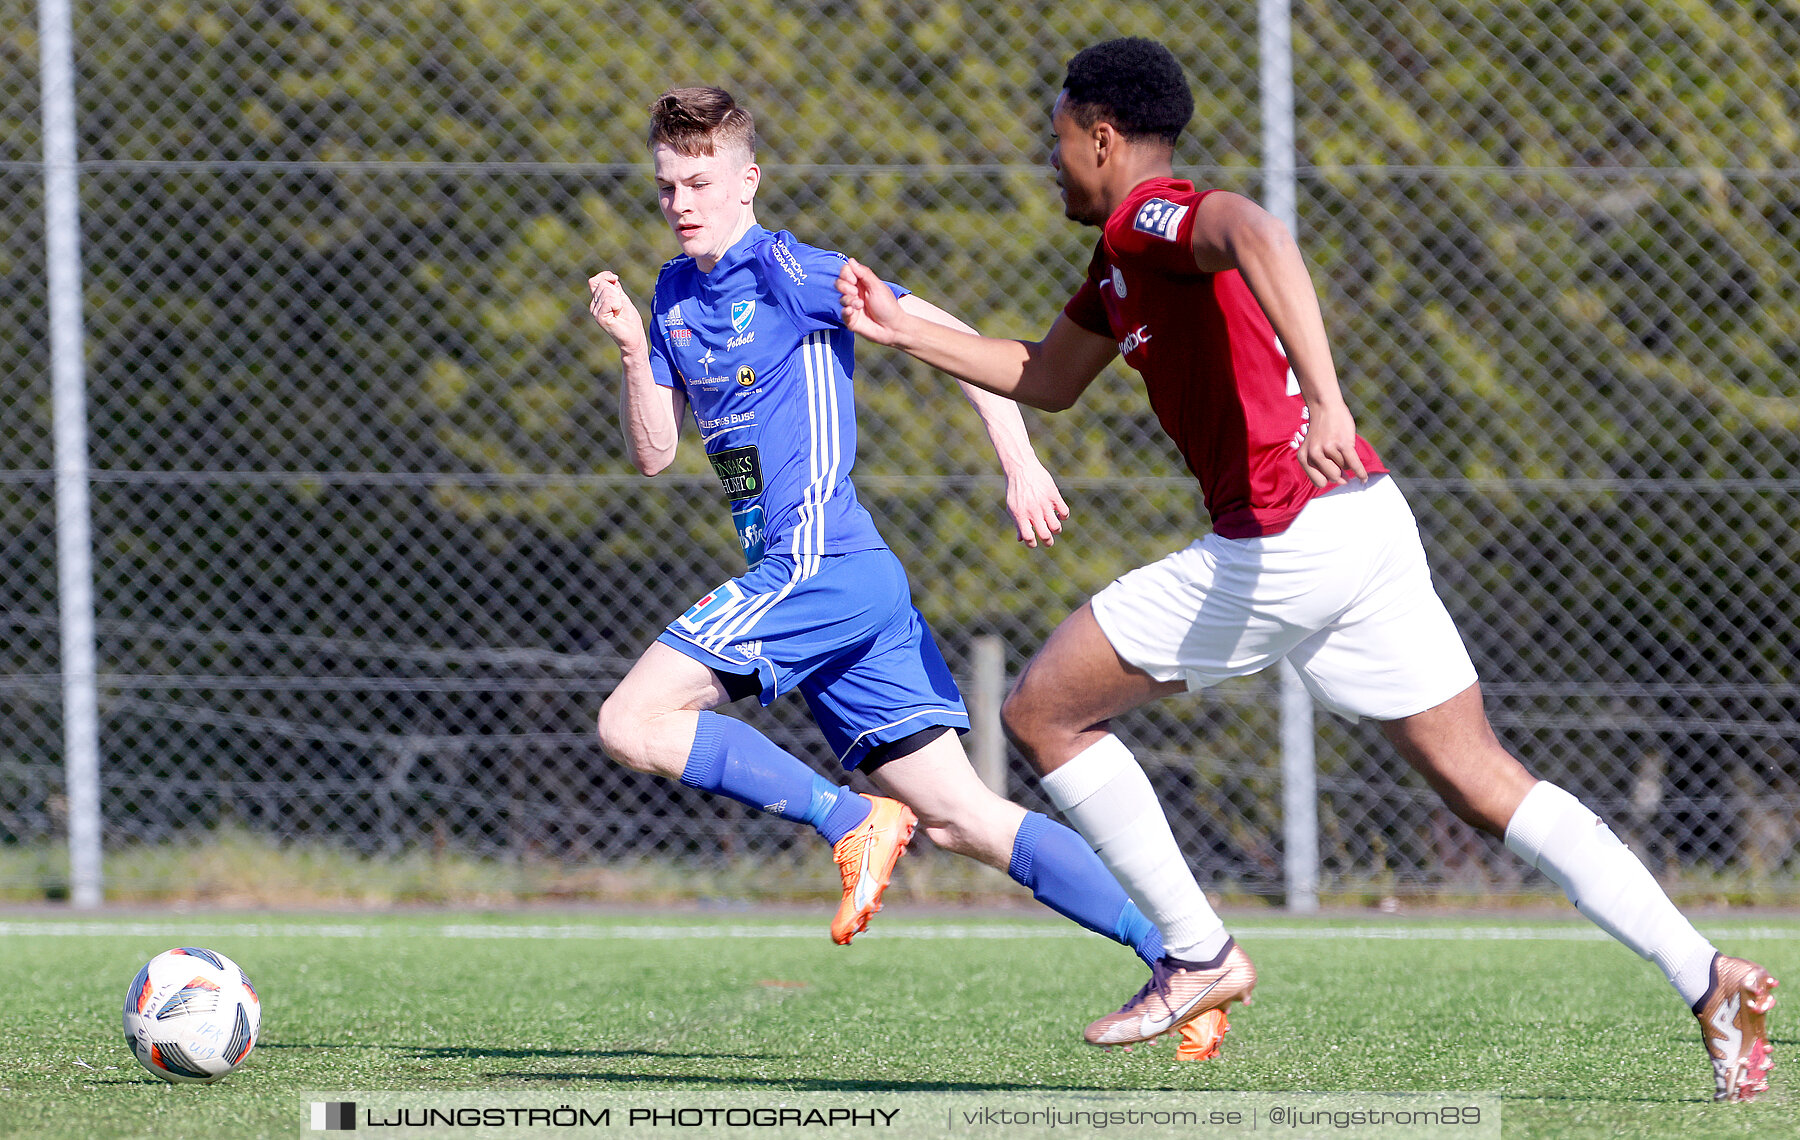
(1299, 795)
(74, 538)
(987, 740)
(1299, 798)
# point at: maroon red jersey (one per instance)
(1215, 370)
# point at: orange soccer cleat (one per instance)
(1201, 1037)
(865, 859)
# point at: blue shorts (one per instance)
(847, 636)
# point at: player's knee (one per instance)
(1021, 718)
(621, 729)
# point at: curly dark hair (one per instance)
(1135, 84)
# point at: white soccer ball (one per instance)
(191, 1015)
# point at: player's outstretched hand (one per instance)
(1036, 506)
(1328, 453)
(614, 312)
(870, 308)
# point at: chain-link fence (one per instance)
(368, 553)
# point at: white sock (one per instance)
(1555, 834)
(1108, 799)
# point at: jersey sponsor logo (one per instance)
(681, 336)
(746, 376)
(1159, 218)
(673, 316)
(708, 379)
(1118, 282)
(790, 264)
(753, 536)
(735, 419)
(741, 312)
(1134, 340)
(740, 471)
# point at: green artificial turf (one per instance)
(1575, 1036)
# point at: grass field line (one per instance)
(195, 931)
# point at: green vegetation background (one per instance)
(1554, 243)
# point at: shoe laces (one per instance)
(850, 849)
(1160, 976)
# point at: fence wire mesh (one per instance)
(368, 551)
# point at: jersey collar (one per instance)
(740, 252)
(1150, 188)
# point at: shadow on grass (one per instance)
(698, 1081)
(1700, 1095)
(465, 1053)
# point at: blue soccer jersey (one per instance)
(759, 348)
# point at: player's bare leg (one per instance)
(1059, 715)
(648, 722)
(1071, 689)
(1454, 748)
(659, 720)
(958, 811)
(962, 814)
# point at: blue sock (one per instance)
(733, 759)
(1065, 875)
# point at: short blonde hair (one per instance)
(701, 120)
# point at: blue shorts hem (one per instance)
(762, 668)
(922, 719)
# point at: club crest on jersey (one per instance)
(1159, 218)
(741, 312)
(1118, 282)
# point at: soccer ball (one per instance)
(191, 1015)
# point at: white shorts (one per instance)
(1344, 594)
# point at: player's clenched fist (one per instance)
(869, 307)
(613, 310)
